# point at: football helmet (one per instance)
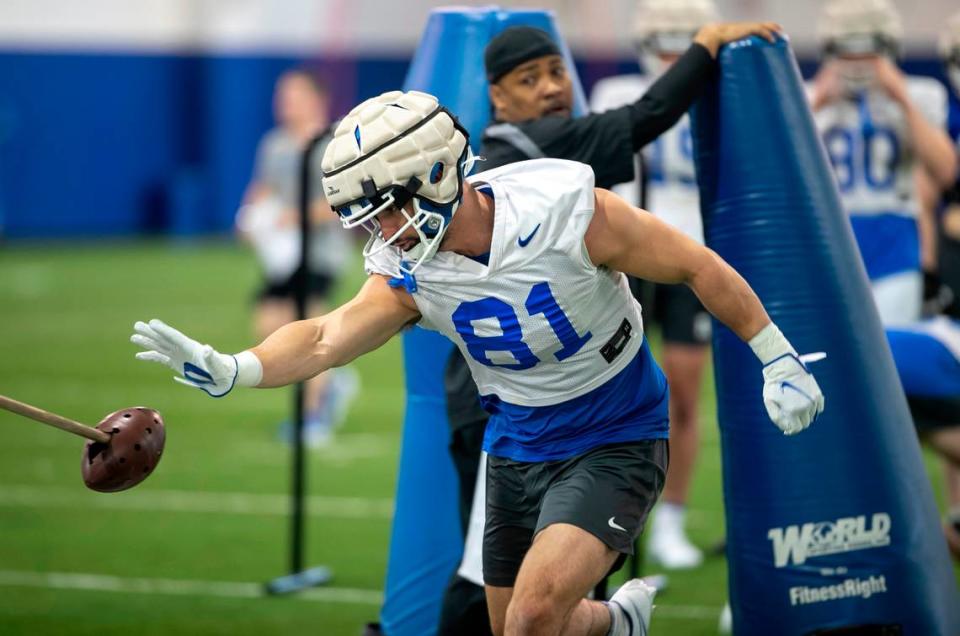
(853, 31)
(859, 28)
(391, 150)
(666, 27)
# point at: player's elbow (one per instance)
(705, 271)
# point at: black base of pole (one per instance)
(320, 575)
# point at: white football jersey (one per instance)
(539, 323)
(869, 145)
(672, 193)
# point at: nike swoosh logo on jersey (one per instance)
(613, 524)
(523, 242)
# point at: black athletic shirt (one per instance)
(607, 142)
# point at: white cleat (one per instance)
(635, 600)
(673, 551)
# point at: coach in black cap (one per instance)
(532, 96)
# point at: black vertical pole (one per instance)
(299, 578)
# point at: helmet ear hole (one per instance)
(436, 173)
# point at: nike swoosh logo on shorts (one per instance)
(523, 242)
(613, 524)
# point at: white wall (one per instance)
(365, 25)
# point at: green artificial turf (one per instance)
(214, 511)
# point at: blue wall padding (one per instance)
(119, 142)
(426, 540)
(771, 209)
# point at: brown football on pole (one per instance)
(136, 444)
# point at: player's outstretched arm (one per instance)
(293, 353)
(635, 242)
(305, 348)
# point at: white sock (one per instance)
(670, 517)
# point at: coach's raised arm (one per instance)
(532, 96)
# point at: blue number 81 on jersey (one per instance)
(539, 301)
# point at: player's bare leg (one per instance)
(562, 566)
(683, 366)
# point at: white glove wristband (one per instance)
(249, 369)
(770, 344)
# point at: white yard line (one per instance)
(177, 587)
(221, 503)
(228, 589)
(193, 501)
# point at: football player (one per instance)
(523, 268)
(880, 128)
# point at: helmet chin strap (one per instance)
(429, 243)
(428, 220)
(431, 238)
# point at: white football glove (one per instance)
(198, 365)
(791, 394)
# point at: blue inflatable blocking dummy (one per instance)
(426, 541)
(835, 526)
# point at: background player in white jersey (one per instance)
(663, 30)
(521, 268)
(880, 128)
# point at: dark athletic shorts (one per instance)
(682, 319)
(318, 286)
(932, 413)
(607, 491)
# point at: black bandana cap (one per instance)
(514, 46)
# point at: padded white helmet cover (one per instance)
(389, 139)
(390, 150)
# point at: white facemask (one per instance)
(856, 75)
